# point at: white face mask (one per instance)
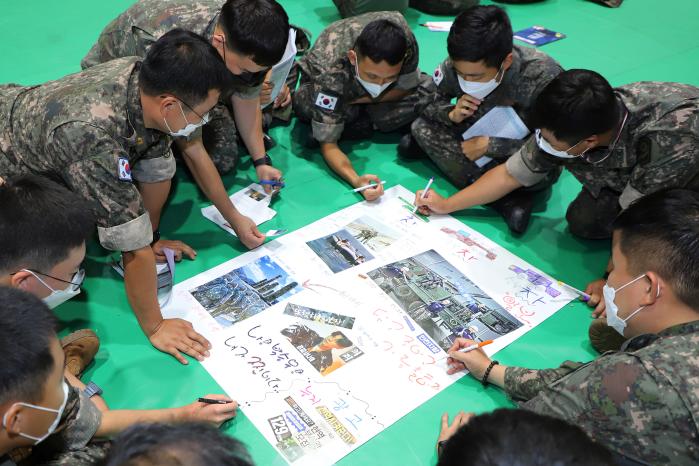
(54, 424)
(546, 147)
(613, 319)
(58, 297)
(190, 128)
(374, 90)
(477, 89)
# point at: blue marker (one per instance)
(273, 183)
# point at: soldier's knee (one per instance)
(591, 218)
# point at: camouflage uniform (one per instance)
(326, 73)
(658, 148)
(641, 402)
(72, 443)
(441, 139)
(136, 29)
(349, 8)
(85, 130)
(442, 7)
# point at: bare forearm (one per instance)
(115, 421)
(339, 162)
(248, 119)
(154, 196)
(490, 187)
(141, 288)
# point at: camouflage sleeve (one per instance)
(528, 166)
(502, 148)
(102, 176)
(116, 42)
(672, 162)
(446, 88)
(328, 109)
(81, 423)
(247, 92)
(525, 384)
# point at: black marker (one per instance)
(210, 401)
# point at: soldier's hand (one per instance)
(475, 361)
(266, 93)
(177, 336)
(269, 173)
(464, 108)
(178, 247)
(431, 203)
(370, 194)
(215, 414)
(594, 289)
(448, 430)
(475, 148)
(248, 233)
(284, 97)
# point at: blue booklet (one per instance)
(537, 36)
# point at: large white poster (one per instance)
(328, 335)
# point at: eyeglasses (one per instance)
(203, 119)
(77, 279)
(598, 156)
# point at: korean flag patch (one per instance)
(437, 76)
(326, 101)
(124, 169)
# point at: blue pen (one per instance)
(273, 183)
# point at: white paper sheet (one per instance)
(280, 71)
(315, 332)
(500, 122)
(251, 201)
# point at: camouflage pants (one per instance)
(220, 137)
(591, 217)
(384, 116)
(349, 8)
(443, 146)
(442, 7)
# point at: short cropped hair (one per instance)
(382, 40)
(258, 29)
(516, 437)
(660, 233)
(185, 65)
(187, 444)
(40, 223)
(576, 105)
(27, 327)
(481, 33)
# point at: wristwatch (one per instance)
(92, 389)
(156, 237)
(266, 160)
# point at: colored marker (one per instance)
(424, 193)
(585, 297)
(273, 183)
(210, 401)
(476, 346)
(370, 185)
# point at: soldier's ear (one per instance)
(352, 55)
(218, 40)
(168, 102)
(507, 62)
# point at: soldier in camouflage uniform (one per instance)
(641, 401)
(342, 93)
(484, 70)
(100, 130)
(135, 30)
(44, 420)
(522, 72)
(619, 143)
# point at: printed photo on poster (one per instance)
(325, 347)
(340, 251)
(371, 233)
(245, 291)
(442, 300)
